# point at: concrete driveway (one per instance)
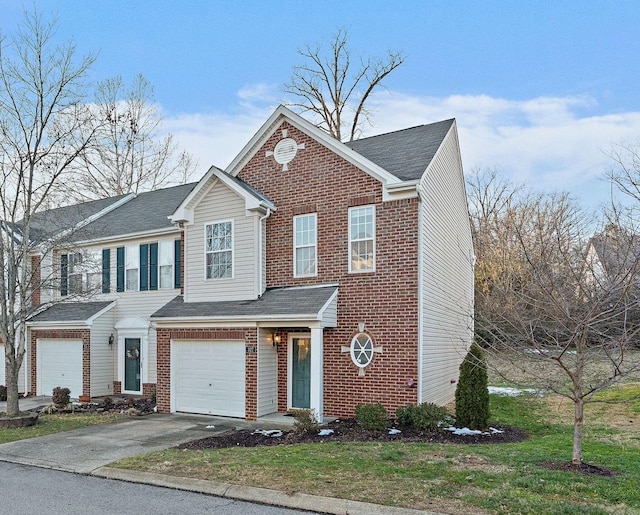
(85, 449)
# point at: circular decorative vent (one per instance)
(285, 150)
(361, 350)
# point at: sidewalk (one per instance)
(89, 450)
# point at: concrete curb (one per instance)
(299, 501)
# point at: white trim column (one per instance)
(317, 388)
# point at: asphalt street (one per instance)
(27, 490)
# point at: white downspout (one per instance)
(260, 288)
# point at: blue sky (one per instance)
(541, 90)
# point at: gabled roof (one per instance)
(617, 250)
(49, 223)
(405, 153)
(145, 212)
(303, 303)
(71, 312)
(254, 200)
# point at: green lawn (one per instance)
(56, 423)
(454, 478)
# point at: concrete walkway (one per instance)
(88, 450)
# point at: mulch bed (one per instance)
(349, 431)
(125, 406)
(582, 468)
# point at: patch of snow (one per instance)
(512, 392)
(495, 431)
(325, 432)
(211, 427)
(271, 433)
(394, 431)
(464, 431)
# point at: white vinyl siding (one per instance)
(267, 374)
(446, 274)
(218, 247)
(102, 354)
(221, 204)
(305, 243)
(362, 239)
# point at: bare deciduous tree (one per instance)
(329, 85)
(42, 114)
(552, 314)
(128, 154)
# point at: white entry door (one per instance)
(59, 363)
(208, 377)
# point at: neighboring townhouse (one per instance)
(315, 275)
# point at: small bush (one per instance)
(61, 396)
(3, 393)
(424, 417)
(108, 401)
(372, 416)
(152, 396)
(305, 421)
(472, 393)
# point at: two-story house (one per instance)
(314, 274)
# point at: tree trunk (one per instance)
(13, 408)
(577, 431)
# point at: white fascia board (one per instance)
(104, 310)
(271, 125)
(127, 237)
(401, 190)
(243, 321)
(184, 212)
(57, 324)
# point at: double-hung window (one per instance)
(132, 262)
(362, 235)
(165, 263)
(305, 244)
(219, 250)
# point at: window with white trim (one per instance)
(219, 250)
(165, 263)
(132, 262)
(75, 273)
(305, 245)
(362, 234)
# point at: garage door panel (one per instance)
(59, 364)
(209, 377)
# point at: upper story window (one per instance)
(132, 262)
(165, 263)
(219, 250)
(362, 235)
(305, 245)
(80, 273)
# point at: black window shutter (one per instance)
(120, 269)
(177, 264)
(64, 274)
(144, 267)
(153, 266)
(106, 270)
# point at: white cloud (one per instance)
(547, 142)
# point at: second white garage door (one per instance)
(59, 364)
(209, 377)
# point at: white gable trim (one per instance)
(282, 113)
(184, 212)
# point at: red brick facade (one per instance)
(35, 280)
(66, 334)
(386, 300)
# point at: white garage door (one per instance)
(2, 365)
(59, 364)
(209, 377)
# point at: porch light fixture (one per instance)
(275, 338)
(111, 339)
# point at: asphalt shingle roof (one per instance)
(405, 153)
(275, 302)
(70, 312)
(148, 211)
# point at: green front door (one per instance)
(301, 373)
(132, 364)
